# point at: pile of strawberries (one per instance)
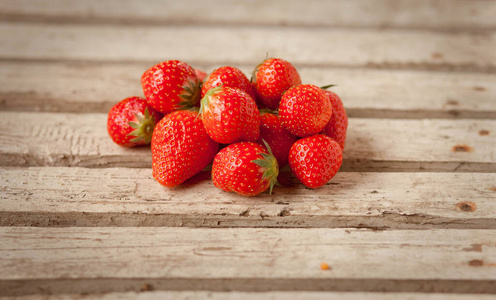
(247, 129)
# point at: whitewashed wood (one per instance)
(123, 259)
(188, 295)
(65, 139)
(131, 197)
(73, 87)
(438, 14)
(249, 45)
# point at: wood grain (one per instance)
(65, 139)
(426, 14)
(410, 215)
(50, 260)
(74, 87)
(249, 45)
(131, 197)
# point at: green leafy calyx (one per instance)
(190, 94)
(143, 127)
(269, 165)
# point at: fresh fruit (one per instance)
(272, 78)
(171, 85)
(305, 110)
(180, 148)
(278, 138)
(314, 160)
(245, 168)
(230, 115)
(200, 75)
(228, 76)
(338, 124)
(131, 121)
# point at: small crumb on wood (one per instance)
(324, 266)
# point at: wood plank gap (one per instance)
(129, 21)
(418, 114)
(384, 221)
(112, 285)
(146, 292)
(20, 102)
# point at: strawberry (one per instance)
(180, 148)
(200, 75)
(314, 160)
(338, 124)
(131, 121)
(171, 85)
(305, 110)
(245, 168)
(278, 138)
(230, 115)
(228, 76)
(272, 78)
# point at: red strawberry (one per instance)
(279, 140)
(171, 85)
(338, 124)
(180, 148)
(230, 115)
(245, 168)
(305, 110)
(315, 160)
(131, 122)
(272, 78)
(200, 74)
(228, 76)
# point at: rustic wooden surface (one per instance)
(411, 214)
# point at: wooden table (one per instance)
(411, 214)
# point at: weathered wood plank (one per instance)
(188, 295)
(428, 14)
(249, 45)
(73, 87)
(65, 139)
(131, 197)
(51, 260)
